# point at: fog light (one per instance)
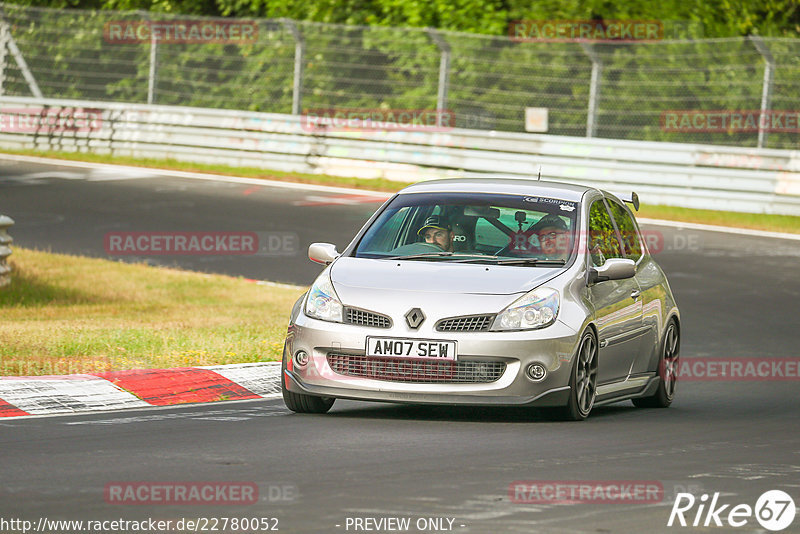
(536, 372)
(301, 358)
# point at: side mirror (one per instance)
(612, 269)
(323, 253)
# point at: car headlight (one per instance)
(322, 301)
(536, 309)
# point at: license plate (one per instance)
(420, 349)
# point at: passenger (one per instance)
(553, 237)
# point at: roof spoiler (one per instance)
(630, 198)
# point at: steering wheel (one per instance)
(507, 250)
(420, 247)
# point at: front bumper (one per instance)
(554, 347)
(551, 397)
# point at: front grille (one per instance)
(418, 371)
(366, 318)
(469, 323)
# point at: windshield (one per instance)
(473, 227)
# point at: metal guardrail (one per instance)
(696, 176)
(5, 249)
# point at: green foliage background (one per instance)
(392, 61)
(720, 18)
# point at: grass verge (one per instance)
(773, 223)
(67, 314)
(754, 221)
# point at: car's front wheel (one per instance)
(667, 370)
(583, 380)
(300, 403)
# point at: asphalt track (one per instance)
(738, 296)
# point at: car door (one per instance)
(617, 304)
(650, 279)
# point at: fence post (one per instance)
(444, 74)
(594, 90)
(299, 53)
(5, 249)
(152, 76)
(766, 88)
(4, 35)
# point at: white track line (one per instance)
(193, 175)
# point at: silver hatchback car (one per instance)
(487, 292)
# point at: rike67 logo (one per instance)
(774, 511)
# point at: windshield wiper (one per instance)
(477, 258)
(530, 261)
(459, 258)
(418, 256)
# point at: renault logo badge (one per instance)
(415, 318)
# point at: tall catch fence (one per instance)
(615, 90)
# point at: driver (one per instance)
(437, 231)
(553, 237)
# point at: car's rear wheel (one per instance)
(300, 403)
(667, 370)
(583, 380)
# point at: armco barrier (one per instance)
(5, 249)
(697, 176)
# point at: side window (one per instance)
(384, 238)
(603, 243)
(627, 229)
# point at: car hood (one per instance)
(437, 276)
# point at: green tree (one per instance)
(718, 18)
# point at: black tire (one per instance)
(667, 370)
(300, 403)
(583, 380)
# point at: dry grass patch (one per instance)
(66, 314)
